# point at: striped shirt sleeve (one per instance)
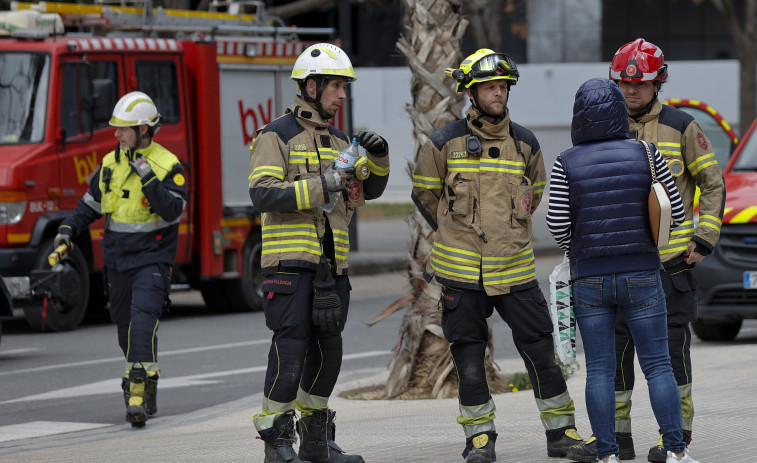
(558, 215)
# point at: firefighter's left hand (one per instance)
(141, 167)
(373, 143)
(692, 257)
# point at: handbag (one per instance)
(660, 210)
(561, 312)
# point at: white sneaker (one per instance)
(686, 458)
(610, 459)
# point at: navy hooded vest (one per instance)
(609, 181)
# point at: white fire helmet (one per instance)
(323, 59)
(133, 109)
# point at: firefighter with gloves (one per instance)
(304, 256)
(477, 181)
(140, 188)
(639, 69)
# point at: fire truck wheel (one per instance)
(58, 316)
(246, 294)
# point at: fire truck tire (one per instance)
(246, 294)
(716, 331)
(58, 316)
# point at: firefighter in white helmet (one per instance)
(141, 190)
(304, 258)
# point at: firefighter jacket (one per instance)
(480, 202)
(691, 161)
(287, 158)
(142, 216)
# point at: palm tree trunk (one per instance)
(422, 364)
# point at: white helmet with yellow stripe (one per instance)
(134, 109)
(324, 59)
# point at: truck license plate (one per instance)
(750, 280)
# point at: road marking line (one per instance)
(121, 359)
(111, 386)
(43, 428)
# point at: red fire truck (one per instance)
(215, 78)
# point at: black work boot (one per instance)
(480, 448)
(151, 394)
(134, 397)
(317, 445)
(587, 451)
(561, 439)
(279, 439)
(657, 453)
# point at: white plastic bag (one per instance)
(561, 311)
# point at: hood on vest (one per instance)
(599, 112)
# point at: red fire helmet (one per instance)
(639, 61)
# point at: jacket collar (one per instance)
(652, 114)
(485, 129)
(306, 115)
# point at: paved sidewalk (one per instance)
(424, 430)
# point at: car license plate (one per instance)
(750, 280)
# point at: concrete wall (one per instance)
(541, 101)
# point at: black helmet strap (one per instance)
(320, 85)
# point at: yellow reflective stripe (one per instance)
(302, 194)
(343, 235)
(462, 165)
(521, 273)
(289, 230)
(328, 154)
(291, 246)
(685, 227)
(671, 148)
(272, 171)
(701, 162)
(512, 261)
(469, 273)
(744, 216)
(457, 254)
(675, 245)
(300, 157)
(378, 170)
(710, 221)
(496, 165)
(539, 187)
(430, 183)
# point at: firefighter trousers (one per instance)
(464, 324)
(137, 299)
(303, 361)
(681, 301)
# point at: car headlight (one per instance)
(12, 206)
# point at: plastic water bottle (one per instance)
(346, 158)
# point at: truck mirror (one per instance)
(103, 99)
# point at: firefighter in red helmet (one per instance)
(639, 69)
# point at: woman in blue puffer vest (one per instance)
(598, 215)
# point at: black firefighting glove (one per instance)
(327, 307)
(373, 143)
(142, 168)
(337, 178)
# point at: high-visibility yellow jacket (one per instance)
(480, 204)
(689, 155)
(287, 158)
(143, 216)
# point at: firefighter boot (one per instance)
(134, 396)
(480, 448)
(317, 444)
(561, 439)
(151, 393)
(657, 453)
(279, 439)
(587, 451)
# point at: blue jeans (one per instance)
(640, 298)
